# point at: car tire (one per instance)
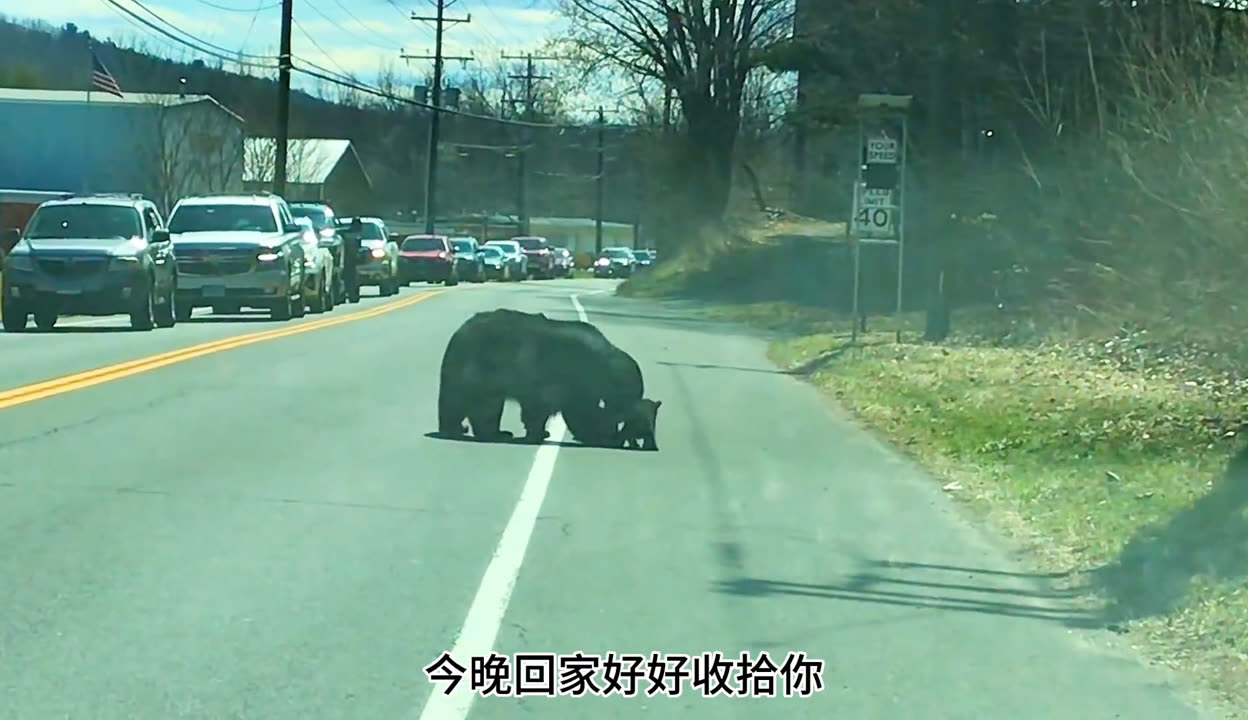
(45, 320)
(182, 311)
(14, 318)
(166, 314)
(451, 280)
(299, 306)
(143, 318)
(281, 311)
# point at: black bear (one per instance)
(639, 425)
(545, 365)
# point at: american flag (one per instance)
(102, 79)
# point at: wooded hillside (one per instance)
(390, 137)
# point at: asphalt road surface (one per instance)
(266, 531)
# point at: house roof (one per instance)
(102, 98)
(309, 160)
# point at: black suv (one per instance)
(91, 255)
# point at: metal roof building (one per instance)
(317, 169)
(163, 145)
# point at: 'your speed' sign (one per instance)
(882, 151)
(873, 213)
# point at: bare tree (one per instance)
(260, 160)
(189, 146)
(705, 52)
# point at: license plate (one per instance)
(70, 293)
(214, 291)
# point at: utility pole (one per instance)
(601, 181)
(283, 99)
(435, 119)
(522, 159)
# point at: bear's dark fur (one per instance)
(639, 425)
(546, 365)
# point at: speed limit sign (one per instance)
(873, 213)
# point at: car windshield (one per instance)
(491, 251)
(373, 231)
(617, 253)
(462, 245)
(84, 222)
(222, 218)
(504, 248)
(320, 217)
(642, 255)
(531, 243)
(423, 244)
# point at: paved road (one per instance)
(267, 532)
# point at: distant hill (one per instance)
(390, 142)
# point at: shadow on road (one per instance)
(939, 593)
(1208, 539)
(83, 330)
(514, 441)
(209, 319)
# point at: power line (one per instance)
(218, 48)
(183, 41)
(375, 92)
(259, 8)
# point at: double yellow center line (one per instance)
(89, 378)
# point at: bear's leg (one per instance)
(486, 418)
(450, 412)
(535, 415)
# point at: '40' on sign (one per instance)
(873, 213)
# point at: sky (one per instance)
(342, 36)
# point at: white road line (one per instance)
(485, 615)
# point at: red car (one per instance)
(428, 258)
(541, 259)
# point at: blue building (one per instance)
(165, 146)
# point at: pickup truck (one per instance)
(236, 251)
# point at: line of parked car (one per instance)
(113, 254)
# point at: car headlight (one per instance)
(603, 262)
(379, 253)
(19, 262)
(269, 257)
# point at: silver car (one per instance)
(516, 262)
(318, 269)
(236, 251)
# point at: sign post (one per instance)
(878, 214)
